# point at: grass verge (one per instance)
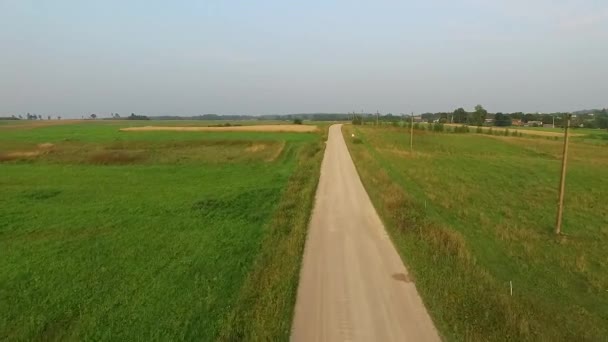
(264, 308)
(471, 215)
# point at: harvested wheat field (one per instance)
(253, 128)
(31, 124)
(522, 130)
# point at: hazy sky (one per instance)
(264, 57)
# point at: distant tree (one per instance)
(357, 120)
(443, 117)
(517, 116)
(390, 118)
(48, 117)
(59, 118)
(297, 121)
(93, 116)
(531, 117)
(20, 117)
(547, 119)
(479, 116)
(39, 117)
(601, 120)
(459, 116)
(429, 117)
(502, 120)
(137, 117)
(116, 116)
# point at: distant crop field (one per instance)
(588, 134)
(109, 235)
(226, 128)
(473, 214)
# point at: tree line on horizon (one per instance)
(594, 118)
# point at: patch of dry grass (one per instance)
(514, 129)
(145, 152)
(116, 157)
(41, 149)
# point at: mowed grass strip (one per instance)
(157, 248)
(472, 214)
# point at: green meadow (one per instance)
(109, 235)
(473, 217)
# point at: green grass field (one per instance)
(472, 213)
(109, 235)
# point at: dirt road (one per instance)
(353, 285)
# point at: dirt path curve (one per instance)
(353, 285)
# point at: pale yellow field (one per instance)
(522, 131)
(252, 128)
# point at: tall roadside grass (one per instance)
(264, 308)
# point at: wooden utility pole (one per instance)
(562, 181)
(412, 134)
